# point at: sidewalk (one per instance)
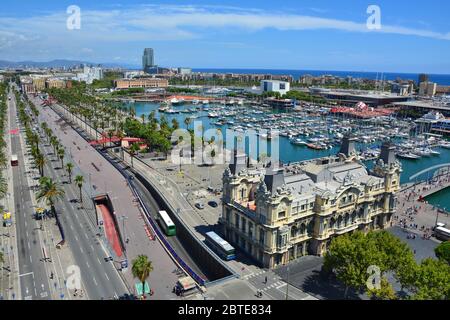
(9, 277)
(106, 179)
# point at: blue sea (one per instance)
(441, 79)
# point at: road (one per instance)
(34, 279)
(108, 180)
(100, 278)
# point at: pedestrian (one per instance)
(265, 280)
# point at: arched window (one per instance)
(294, 231)
(353, 216)
(346, 219)
(311, 228)
(332, 222)
(303, 229)
(339, 222)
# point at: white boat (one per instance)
(445, 145)
(212, 115)
(174, 101)
(195, 101)
(298, 142)
(434, 152)
(408, 155)
(205, 101)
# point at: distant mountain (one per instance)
(58, 63)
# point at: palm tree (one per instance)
(40, 161)
(79, 180)
(134, 149)
(120, 135)
(61, 154)
(187, 122)
(110, 135)
(3, 187)
(69, 169)
(132, 112)
(141, 269)
(49, 191)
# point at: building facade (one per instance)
(141, 83)
(281, 87)
(148, 60)
(427, 89)
(279, 214)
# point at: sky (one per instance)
(414, 36)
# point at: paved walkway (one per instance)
(104, 178)
(417, 216)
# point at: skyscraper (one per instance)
(147, 59)
(423, 78)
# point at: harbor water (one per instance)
(294, 153)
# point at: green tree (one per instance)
(134, 149)
(442, 251)
(187, 122)
(3, 187)
(432, 281)
(69, 169)
(61, 154)
(348, 258)
(40, 162)
(79, 180)
(49, 191)
(141, 269)
(385, 292)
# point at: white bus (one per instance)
(442, 233)
(166, 223)
(220, 246)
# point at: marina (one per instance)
(312, 132)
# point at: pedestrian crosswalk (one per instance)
(253, 275)
(275, 285)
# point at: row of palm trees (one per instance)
(49, 191)
(3, 153)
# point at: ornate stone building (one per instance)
(278, 214)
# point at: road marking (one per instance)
(81, 249)
(107, 277)
(281, 286)
(31, 259)
(99, 260)
(28, 298)
(95, 281)
(87, 263)
(29, 246)
(44, 294)
(76, 238)
(25, 274)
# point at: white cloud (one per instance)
(167, 23)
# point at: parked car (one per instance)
(199, 205)
(213, 204)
